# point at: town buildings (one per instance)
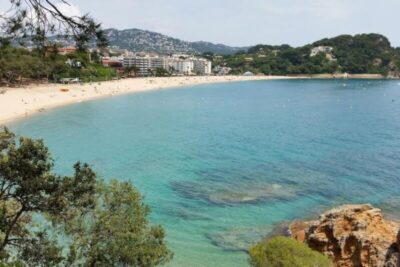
(116, 62)
(147, 64)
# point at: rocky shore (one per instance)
(352, 236)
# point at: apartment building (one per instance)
(180, 66)
(202, 66)
(146, 64)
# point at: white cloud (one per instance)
(69, 10)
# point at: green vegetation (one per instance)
(52, 220)
(286, 252)
(364, 53)
(32, 22)
(161, 72)
(116, 231)
(19, 65)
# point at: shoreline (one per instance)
(364, 76)
(18, 103)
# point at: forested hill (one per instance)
(363, 53)
(140, 40)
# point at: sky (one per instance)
(246, 22)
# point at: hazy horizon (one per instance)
(243, 23)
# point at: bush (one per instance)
(286, 252)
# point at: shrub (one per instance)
(286, 252)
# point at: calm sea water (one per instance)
(221, 165)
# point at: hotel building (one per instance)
(147, 64)
(202, 66)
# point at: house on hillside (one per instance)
(321, 49)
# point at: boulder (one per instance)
(352, 236)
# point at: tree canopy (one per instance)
(52, 220)
(38, 19)
(117, 232)
(20, 65)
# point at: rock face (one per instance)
(352, 236)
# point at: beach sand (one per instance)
(21, 102)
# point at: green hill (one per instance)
(363, 53)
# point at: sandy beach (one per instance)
(21, 102)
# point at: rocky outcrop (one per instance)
(352, 236)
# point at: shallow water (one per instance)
(221, 164)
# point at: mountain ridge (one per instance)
(144, 40)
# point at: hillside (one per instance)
(363, 53)
(137, 40)
(140, 40)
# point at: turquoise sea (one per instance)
(221, 165)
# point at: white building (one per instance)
(320, 49)
(181, 66)
(202, 66)
(146, 64)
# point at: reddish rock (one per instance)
(352, 236)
